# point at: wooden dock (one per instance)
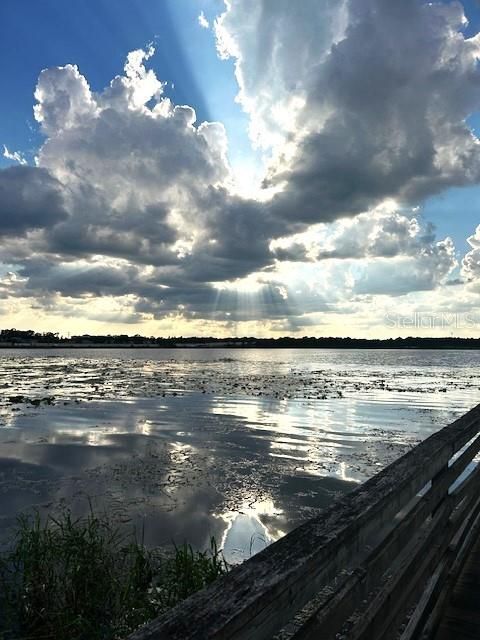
(461, 618)
(397, 558)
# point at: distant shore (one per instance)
(139, 342)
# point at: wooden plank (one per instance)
(460, 619)
(328, 620)
(467, 540)
(256, 599)
(460, 464)
(417, 620)
(346, 596)
(464, 488)
(408, 570)
(335, 604)
(414, 582)
(430, 606)
(340, 603)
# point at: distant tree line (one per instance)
(30, 338)
(17, 337)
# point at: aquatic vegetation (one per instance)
(85, 578)
(230, 440)
(36, 402)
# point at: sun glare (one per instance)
(248, 285)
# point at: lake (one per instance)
(240, 444)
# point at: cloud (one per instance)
(30, 198)
(423, 272)
(471, 260)
(341, 281)
(276, 45)
(382, 233)
(77, 278)
(360, 107)
(202, 21)
(132, 169)
(146, 191)
(375, 102)
(137, 86)
(64, 100)
(16, 156)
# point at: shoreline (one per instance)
(352, 346)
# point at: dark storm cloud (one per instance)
(143, 236)
(73, 280)
(30, 198)
(236, 239)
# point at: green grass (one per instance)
(83, 578)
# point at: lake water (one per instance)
(189, 443)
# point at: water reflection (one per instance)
(142, 440)
(249, 530)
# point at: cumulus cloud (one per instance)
(471, 260)
(137, 86)
(340, 281)
(382, 233)
(357, 103)
(64, 100)
(146, 190)
(77, 279)
(422, 272)
(30, 198)
(132, 170)
(376, 101)
(276, 45)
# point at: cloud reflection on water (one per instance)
(241, 467)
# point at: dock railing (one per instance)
(378, 563)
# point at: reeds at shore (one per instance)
(85, 578)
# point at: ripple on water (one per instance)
(242, 445)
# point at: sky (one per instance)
(240, 167)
